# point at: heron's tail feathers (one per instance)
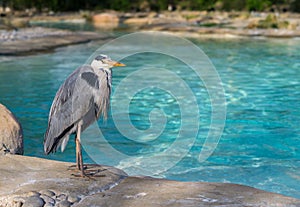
(51, 143)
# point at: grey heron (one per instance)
(81, 100)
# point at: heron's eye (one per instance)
(100, 57)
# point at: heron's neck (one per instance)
(106, 70)
(98, 65)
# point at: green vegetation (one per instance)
(154, 5)
(271, 21)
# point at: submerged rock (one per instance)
(11, 134)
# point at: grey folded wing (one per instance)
(74, 99)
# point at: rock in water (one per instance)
(11, 134)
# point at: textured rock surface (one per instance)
(29, 181)
(11, 135)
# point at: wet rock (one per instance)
(33, 201)
(11, 134)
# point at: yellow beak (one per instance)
(117, 64)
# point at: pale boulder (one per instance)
(11, 134)
(106, 20)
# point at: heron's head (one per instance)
(103, 61)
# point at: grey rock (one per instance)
(47, 193)
(141, 191)
(33, 201)
(64, 203)
(61, 197)
(121, 191)
(11, 134)
(73, 198)
(21, 175)
(47, 199)
(49, 205)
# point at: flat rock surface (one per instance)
(36, 39)
(31, 180)
(213, 32)
(137, 191)
(28, 181)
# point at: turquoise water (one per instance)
(64, 25)
(261, 140)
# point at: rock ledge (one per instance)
(36, 39)
(29, 181)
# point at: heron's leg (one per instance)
(78, 149)
(77, 152)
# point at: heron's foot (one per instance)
(80, 174)
(87, 174)
(89, 171)
(76, 167)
